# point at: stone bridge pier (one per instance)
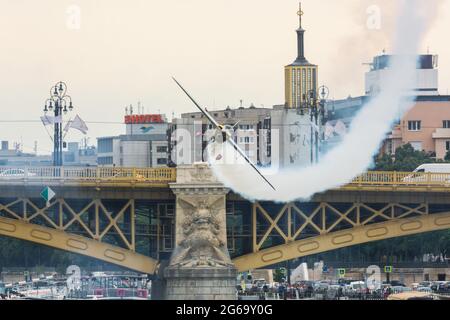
(200, 267)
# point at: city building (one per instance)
(192, 132)
(74, 156)
(425, 78)
(426, 126)
(144, 144)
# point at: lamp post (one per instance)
(60, 103)
(316, 109)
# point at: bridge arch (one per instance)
(344, 238)
(77, 244)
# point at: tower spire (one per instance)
(300, 38)
(300, 14)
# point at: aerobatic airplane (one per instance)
(224, 134)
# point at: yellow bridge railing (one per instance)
(400, 179)
(88, 174)
(162, 176)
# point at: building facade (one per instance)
(425, 78)
(145, 143)
(426, 126)
(73, 156)
(192, 132)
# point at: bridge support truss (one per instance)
(285, 232)
(102, 229)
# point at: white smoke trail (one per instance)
(354, 155)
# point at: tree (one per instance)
(279, 275)
(406, 159)
(447, 156)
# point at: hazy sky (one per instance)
(118, 52)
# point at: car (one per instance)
(396, 283)
(16, 173)
(431, 172)
(400, 289)
(425, 284)
(424, 289)
(435, 285)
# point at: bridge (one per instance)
(126, 216)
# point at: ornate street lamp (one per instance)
(60, 103)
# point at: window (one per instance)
(414, 125)
(161, 161)
(417, 145)
(166, 210)
(446, 124)
(161, 149)
(447, 145)
(105, 160)
(105, 145)
(246, 127)
(247, 140)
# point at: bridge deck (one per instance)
(161, 177)
(88, 177)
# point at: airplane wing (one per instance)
(242, 153)
(206, 114)
(230, 139)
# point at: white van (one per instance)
(434, 168)
(430, 172)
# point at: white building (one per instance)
(145, 143)
(280, 137)
(425, 78)
(192, 132)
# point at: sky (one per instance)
(113, 53)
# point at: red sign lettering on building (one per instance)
(143, 118)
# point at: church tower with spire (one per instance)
(301, 77)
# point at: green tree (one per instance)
(406, 159)
(447, 156)
(279, 274)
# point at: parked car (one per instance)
(425, 284)
(424, 289)
(396, 283)
(16, 173)
(436, 285)
(440, 172)
(400, 289)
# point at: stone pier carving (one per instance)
(201, 244)
(200, 267)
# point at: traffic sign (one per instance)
(388, 269)
(341, 273)
(48, 194)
